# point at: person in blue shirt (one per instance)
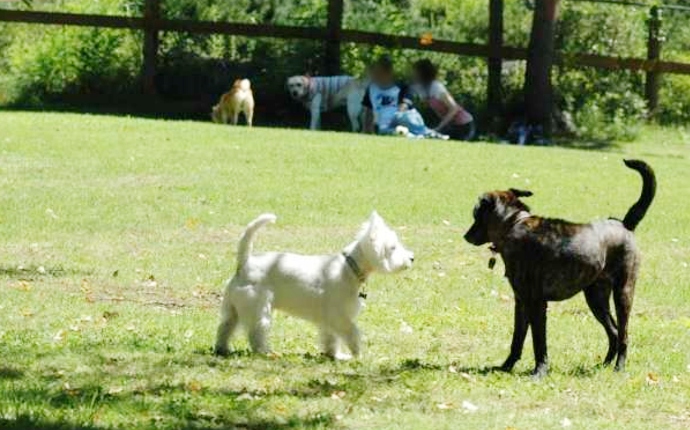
(388, 106)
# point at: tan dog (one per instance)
(239, 99)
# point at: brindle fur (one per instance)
(552, 260)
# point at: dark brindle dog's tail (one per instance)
(639, 209)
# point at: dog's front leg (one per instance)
(316, 112)
(537, 320)
(353, 339)
(329, 343)
(519, 333)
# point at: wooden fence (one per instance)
(333, 35)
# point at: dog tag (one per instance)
(363, 295)
(492, 263)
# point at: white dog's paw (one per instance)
(342, 356)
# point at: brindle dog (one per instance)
(552, 260)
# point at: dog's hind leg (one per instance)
(258, 321)
(623, 291)
(226, 329)
(519, 334)
(249, 116)
(598, 296)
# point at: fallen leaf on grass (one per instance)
(115, 390)
(565, 422)
(150, 282)
(107, 315)
(444, 406)
(51, 213)
(445, 222)
(245, 397)
(338, 395)
(69, 390)
(466, 376)
(188, 334)
(27, 313)
(24, 286)
(469, 406)
(194, 386)
(405, 328)
(191, 223)
(59, 336)
(652, 378)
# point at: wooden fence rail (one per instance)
(333, 35)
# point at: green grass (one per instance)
(117, 235)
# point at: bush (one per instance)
(42, 65)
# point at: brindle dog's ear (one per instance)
(520, 193)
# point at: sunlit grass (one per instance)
(117, 233)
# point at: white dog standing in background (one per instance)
(323, 289)
(325, 93)
(239, 99)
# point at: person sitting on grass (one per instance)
(454, 120)
(388, 105)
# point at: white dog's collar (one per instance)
(361, 276)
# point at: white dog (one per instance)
(325, 93)
(323, 289)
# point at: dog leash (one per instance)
(361, 276)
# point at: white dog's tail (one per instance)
(244, 248)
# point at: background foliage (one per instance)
(41, 65)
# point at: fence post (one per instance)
(494, 90)
(334, 26)
(654, 41)
(150, 50)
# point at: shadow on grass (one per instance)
(31, 423)
(33, 272)
(26, 423)
(7, 372)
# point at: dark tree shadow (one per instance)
(7, 372)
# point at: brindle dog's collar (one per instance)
(494, 248)
(361, 276)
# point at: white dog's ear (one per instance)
(374, 224)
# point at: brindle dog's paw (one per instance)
(540, 371)
(221, 352)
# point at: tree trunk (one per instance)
(540, 56)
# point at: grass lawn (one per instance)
(117, 234)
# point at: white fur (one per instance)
(322, 289)
(349, 96)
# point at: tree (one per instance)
(538, 91)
